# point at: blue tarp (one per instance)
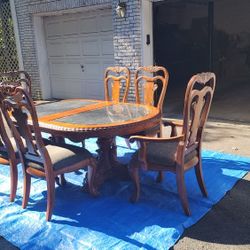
(110, 221)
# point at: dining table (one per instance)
(79, 119)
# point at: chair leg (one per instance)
(50, 197)
(182, 191)
(199, 176)
(26, 189)
(173, 131)
(134, 173)
(60, 181)
(91, 177)
(13, 181)
(160, 177)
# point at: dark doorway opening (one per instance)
(192, 36)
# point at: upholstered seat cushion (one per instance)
(62, 156)
(164, 153)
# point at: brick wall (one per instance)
(127, 32)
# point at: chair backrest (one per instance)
(20, 78)
(17, 75)
(5, 131)
(148, 81)
(198, 98)
(117, 77)
(5, 136)
(19, 111)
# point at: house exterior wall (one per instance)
(127, 31)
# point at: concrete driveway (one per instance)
(227, 225)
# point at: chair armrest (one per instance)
(155, 139)
(170, 122)
(173, 124)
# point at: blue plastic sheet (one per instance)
(110, 221)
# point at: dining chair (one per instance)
(116, 83)
(8, 148)
(150, 84)
(8, 154)
(178, 153)
(38, 159)
(15, 76)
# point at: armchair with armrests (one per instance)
(178, 153)
(38, 159)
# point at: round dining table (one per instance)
(78, 119)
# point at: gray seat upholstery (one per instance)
(62, 156)
(156, 153)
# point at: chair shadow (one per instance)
(159, 206)
(111, 213)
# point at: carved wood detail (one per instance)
(116, 77)
(19, 111)
(198, 98)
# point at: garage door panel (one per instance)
(94, 90)
(72, 47)
(56, 67)
(79, 47)
(75, 92)
(88, 25)
(106, 22)
(62, 88)
(70, 27)
(53, 29)
(90, 47)
(58, 87)
(107, 46)
(107, 63)
(55, 48)
(73, 69)
(92, 69)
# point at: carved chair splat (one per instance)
(114, 79)
(38, 159)
(181, 152)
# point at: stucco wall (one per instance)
(127, 32)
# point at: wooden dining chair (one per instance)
(38, 159)
(151, 84)
(116, 83)
(8, 154)
(8, 148)
(17, 75)
(179, 153)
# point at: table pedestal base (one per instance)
(108, 165)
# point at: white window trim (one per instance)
(147, 29)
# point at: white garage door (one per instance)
(79, 47)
